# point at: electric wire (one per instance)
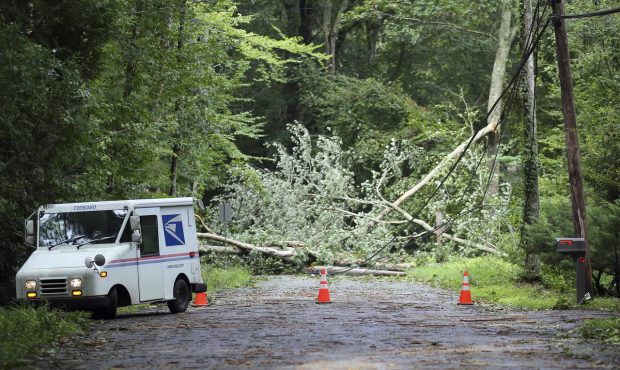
(511, 86)
(589, 15)
(529, 40)
(528, 44)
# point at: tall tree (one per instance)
(531, 203)
(50, 51)
(176, 147)
(332, 20)
(505, 37)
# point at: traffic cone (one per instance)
(201, 299)
(465, 297)
(323, 290)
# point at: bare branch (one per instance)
(355, 271)
(285, 254)
(203, 223)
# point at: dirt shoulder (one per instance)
(371, 324)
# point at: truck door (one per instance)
(150, 268)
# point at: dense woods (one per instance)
(346, 125)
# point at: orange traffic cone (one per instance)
(323, 290)
(465, 297)
(201, 299)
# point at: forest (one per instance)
(353, 132)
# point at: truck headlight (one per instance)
(76, 283)
(31, 284)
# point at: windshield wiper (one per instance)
(95, 240)
(70, 240)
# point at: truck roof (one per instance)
(116, 204)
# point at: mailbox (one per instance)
(575, 248)
(571, 246)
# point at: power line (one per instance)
(511, 86)
(589, 15)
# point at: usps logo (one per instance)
(173, 230)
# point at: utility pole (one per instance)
(570, 130)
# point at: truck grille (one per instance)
(53, 286)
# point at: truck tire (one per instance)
(182, 296)
(107, 313)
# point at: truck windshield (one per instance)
(97, 227)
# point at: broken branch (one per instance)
(355, 271)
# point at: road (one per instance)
(371, 324)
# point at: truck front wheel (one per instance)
(182, 296)
(109, 312)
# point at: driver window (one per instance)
(150, 236)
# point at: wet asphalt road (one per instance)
(371, 324)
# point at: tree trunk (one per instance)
(328, 37)
(617, 268)
(331, 26)
(373, 28)
(305, 30)
(286, 254)
(397, 72)
(505, 38)
(291, 87)
(174, 163)
(176, 149)
(531, 207)
(132, 57)
(343, 270)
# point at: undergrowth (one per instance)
(26, 331)
(606, 330)
(219, 278)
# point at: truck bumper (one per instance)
(72, 303)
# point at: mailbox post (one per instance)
(575, 248)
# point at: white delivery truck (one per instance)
(102, 255)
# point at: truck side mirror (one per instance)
(136, 237)
(134, 222)
(29, 240)
(93, 263)
(99, 260)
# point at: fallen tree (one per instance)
(343, 270)
(408, 218)
(321, 204)
(448, 159)
(288, 254)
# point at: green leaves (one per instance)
(171, 80)
(28, 332)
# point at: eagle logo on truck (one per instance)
(173, 230)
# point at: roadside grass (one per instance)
(26, 331)
(605, 330)
(493, 280)
(219, 278)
